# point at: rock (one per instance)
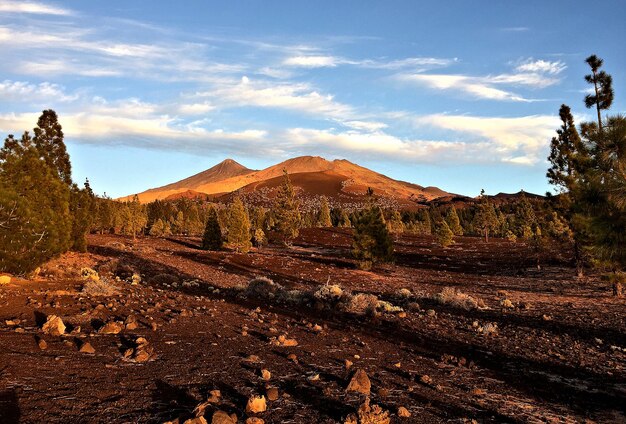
(426, 379)
(19, 330)
(54, 326)
(360, 383)
(266, 375)
(348, 363)
(215, 396)
(87, 348)
(314, 377)
(272, 393)
(131, 322)
(111, 327)
(252, 358)
(5, 279)
(255, 420)
(403, 412)
(256, 404)
(42, 344)
(506, 303)
(197, 420)
(293, 358)
(221, 417)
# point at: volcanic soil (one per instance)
(543, 346)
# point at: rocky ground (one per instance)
(155, 330)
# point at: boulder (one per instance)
(360, 383)
(54, 326)
(256, 404)
(221, 417)
(111, 327)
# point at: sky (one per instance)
(459, 95)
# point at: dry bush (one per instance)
(452, 297)
(331, 293)
(100, 287)
(89, 274)
(362, 304)
(264, 288)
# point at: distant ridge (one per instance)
(339, 179)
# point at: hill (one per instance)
(340, 180)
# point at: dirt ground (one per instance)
(557, 354)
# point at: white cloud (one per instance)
(9, 6)
(468, 85)
(521, 140)
(311, 61)
(300, 97)
(22, 91)
(541, 66)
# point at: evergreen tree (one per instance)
(134, 217)
(238, 227)
(48, 140)
(454, 224)
(372, 242)
(344, 220)
(35, 220)
(443, 233)
(395, 224)
(158, 228)
(260, 239)
(485, 219)
(602, 85)
(82, 208)
(212, 238)
(178, 226)
(323, 217)
(285, 212)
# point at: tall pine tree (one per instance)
(212, 238)
(286, 212)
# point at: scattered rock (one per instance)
(403, 412)
(42, 344)
(256, 404)
(293, 358)
(5, 279)
(111, 327)
(266, 375)
(360, 383)
(348, 363)
(426, 379)
(142, 352)
(131, 322)
(272, 393)
(255, 420)
(506, 303)
(221, 417)
(54, 326)
(87, 348)
(197, 420)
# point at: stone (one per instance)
(221, 417)
(5, 279)
(255, 420)
(426, 379)
(87, 348)
(197, 420)
(272, 393)
(360, 383)
(266, 375)
(293, 358)
(42, 344)
(256, 404)
(131, 323)
(403, 412)
(111, 327)
(348, 363)
(54, 326)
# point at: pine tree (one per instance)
(395, 224)
(372, 242)
(158, 228)
(260, 239)
(344, 220)
(35, 220)
(212, 238)
(443, 233)
(454, 224)
(48, 140)
(323, 217)
(134, 217)
(602, 85)
(285, 212)
(238, 227)
(485, 219)
(179, 223)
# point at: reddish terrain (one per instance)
(558, 355)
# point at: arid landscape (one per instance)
(528, 346)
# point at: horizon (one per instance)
(447, 96)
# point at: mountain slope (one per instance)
(312, 174)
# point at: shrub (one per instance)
(264, 288)
(451, 297)
(362, 304)
(372, 241)
(100, 288)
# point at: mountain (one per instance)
(339, 179)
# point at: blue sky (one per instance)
(461, 95)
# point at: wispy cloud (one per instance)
(530, 73)
(327, 61)
(19, 6)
